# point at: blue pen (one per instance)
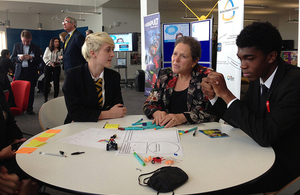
(139, 159)
(133, 128)
(136, 123)
(186, 131)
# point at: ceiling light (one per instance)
(56, 18)
(291, 21)
(39, 25)
(256, 6)
(79, 12)
(7, 22)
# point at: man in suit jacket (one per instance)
(271, 119)
(72, 46)
(26, 56)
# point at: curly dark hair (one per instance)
(51, 44)
(262, 35)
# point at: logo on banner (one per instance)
(228, 9)
(230, 78)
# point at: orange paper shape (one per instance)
(53, 131)
(26, 150)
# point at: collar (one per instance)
(72, 31)
(269, 80)
(101, 76)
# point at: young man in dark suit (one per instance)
(270, 118)
(72, 46)
(26, 57)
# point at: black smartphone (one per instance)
(16, 146)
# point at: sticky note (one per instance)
(25, 150)
(35, 143)
(111, 126)
(47, 134)
(53, 131)
(41, 139)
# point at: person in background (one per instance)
(92, 90)
(12, 179)
(87, 32)
(176, 97)
(62, 36)
(72, 46)
(6, 68)
(5, 61)
(269, 111)
(26, 57)
(52, 58)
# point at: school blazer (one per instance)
(81, 95)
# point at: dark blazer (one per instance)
(81, 95)
(279, 128)
(72, 53)
(32, 65)
(9, 130)
(6, 64)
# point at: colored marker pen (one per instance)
(139, 159)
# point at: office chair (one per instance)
(53, 113)
(21, 91)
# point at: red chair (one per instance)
(21, 90)
(6, 93)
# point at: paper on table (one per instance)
(41, 139)
(151, 143)
(148, 142)
(47, 134)
(53, 131)
(35, 143)
(111, 126)
(26, 150)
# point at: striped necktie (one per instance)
(98, 84)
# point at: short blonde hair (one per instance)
(94, 42)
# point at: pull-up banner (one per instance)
(230, 24)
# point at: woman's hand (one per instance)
(168, 120)
(158, 117)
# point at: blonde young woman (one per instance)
(80, 88)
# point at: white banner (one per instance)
(230, 24)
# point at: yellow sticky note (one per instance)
(35, 143)
(42, 139)
(53, 131)
(47, 134)
(111, 126)
(25, 150)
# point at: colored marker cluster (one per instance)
(187, 131)
(142, 126)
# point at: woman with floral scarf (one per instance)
(177, 97)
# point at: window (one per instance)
(2, 40)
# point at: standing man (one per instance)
(269, 111)
(72, 46)
(27, 58)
